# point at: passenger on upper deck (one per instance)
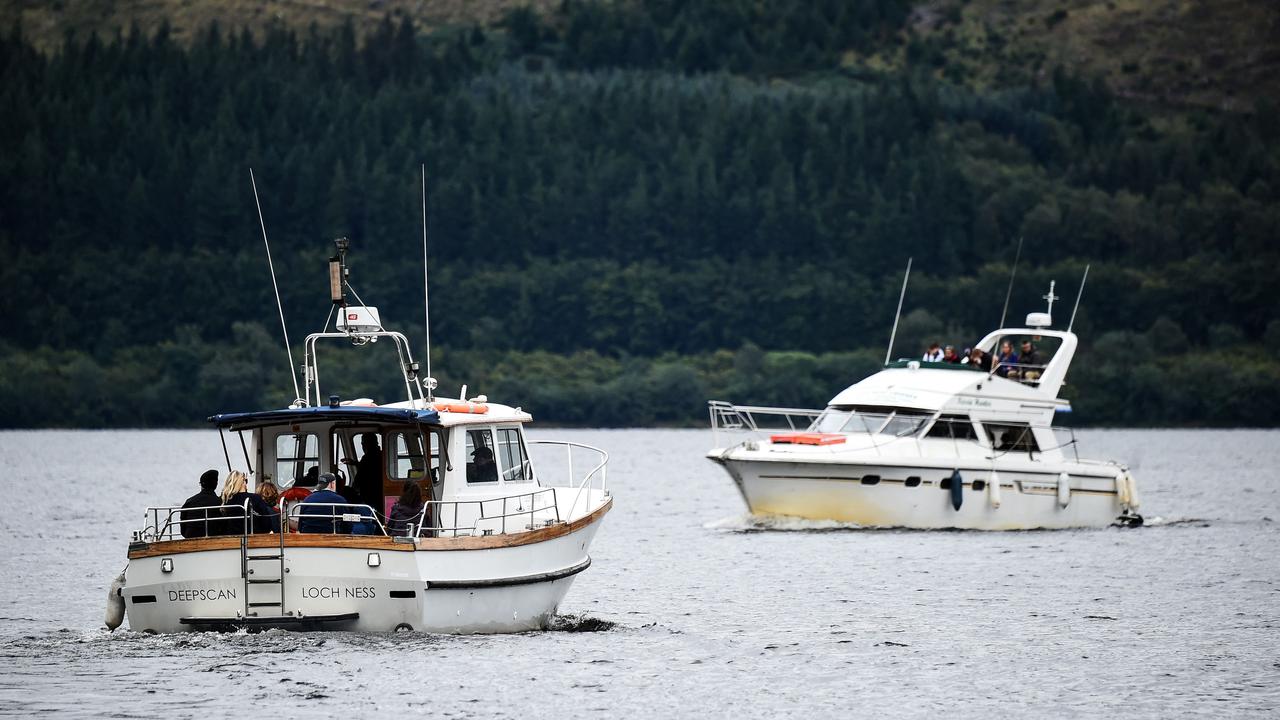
(1008, 360)
(950, 355)
(269, 493)
(195, 522)
(933, 354)
(978, 360)
(236, 497)
(407, 510)
(1031, 361)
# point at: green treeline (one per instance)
(633, 207)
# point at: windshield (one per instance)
(887, 421)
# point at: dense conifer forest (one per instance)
(633, 206)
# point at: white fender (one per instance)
(993, 490)
(115, 603)
(1122, 489)
(1064, 489)
(1131, 490)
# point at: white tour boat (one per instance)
(931, 445)
(494, 548)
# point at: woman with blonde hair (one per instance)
(236, 498)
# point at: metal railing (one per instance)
(167, 523)
(595, 479)
(1024, 373)
(750, 418)
(487, 516)
(336, 519)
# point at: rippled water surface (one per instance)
(714, 614)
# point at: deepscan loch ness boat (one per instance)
(494, 548)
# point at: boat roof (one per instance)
(932, 389)
(353, 413)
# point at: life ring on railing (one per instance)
(466, 407)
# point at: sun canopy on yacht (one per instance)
(346, 413)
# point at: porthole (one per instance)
(871, 480)
(913, 481)
(979, 484)
(945, 483)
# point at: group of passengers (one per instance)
(1024, 365)
(321, 508)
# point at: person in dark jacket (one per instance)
(322, 510)
(235, 495)
(368, 475)
(195, 522)
(407, 511)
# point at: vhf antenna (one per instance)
(1079, 294)
(279, 306)
(426, 305)
(888, 352)
(1009, 293)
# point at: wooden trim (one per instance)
(367, 542)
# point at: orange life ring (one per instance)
(472, 408)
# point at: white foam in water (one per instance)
(778, 523)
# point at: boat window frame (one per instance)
(294, 431)
(1025, 441)
(466, 453)
(501, 455)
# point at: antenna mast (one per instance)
(1051, 297)
(889, 351)
(1079, 294)
(279, 306)
(1009, 293)
(426, 305)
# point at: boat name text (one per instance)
(194, 594)
(359, 593)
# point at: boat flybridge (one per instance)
(494, 546)
(931, 445)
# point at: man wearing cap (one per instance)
(326, 518)
(194, 523)
(482, 468)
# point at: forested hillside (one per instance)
(633, 207)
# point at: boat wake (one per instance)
(580, 623)
(780, 523)
(1169, 522)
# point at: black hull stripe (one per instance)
(507, 582)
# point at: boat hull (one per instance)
(491, 584)
(916, 495)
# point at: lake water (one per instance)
(714, 614)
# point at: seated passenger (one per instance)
(1008, 361)
(1031, 360)
(236, 497)
(933, 354)
(322, 511)
(270, 494)
(407, 511)
(950, 355)
(195, 523)
(978, 360)
(482, 468)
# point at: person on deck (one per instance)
(1008, 360)
(195, 522)
(368, 476)
(236, 498)
(407, 511)
(933, 354)
(950, 355)
(322, 510)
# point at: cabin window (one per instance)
(515, 463)
(913, 481)
(482, 465)
(1011, 437)
(296, 453)
(407, 461)
(954, 427)
(830, 421)
(904, 423)
(898, 422)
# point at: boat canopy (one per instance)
(348, 413)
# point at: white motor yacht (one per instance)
(931, 445)
(494, 547)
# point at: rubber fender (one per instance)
(1064, 489)
(957, 490)
(115, 603)
(1131, 486)
(1122, 489)
(993, 490)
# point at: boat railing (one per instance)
(1025, 373)
(596, 476)
(751, 419)
(167, 523)
(335, 519)
(487, 516)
